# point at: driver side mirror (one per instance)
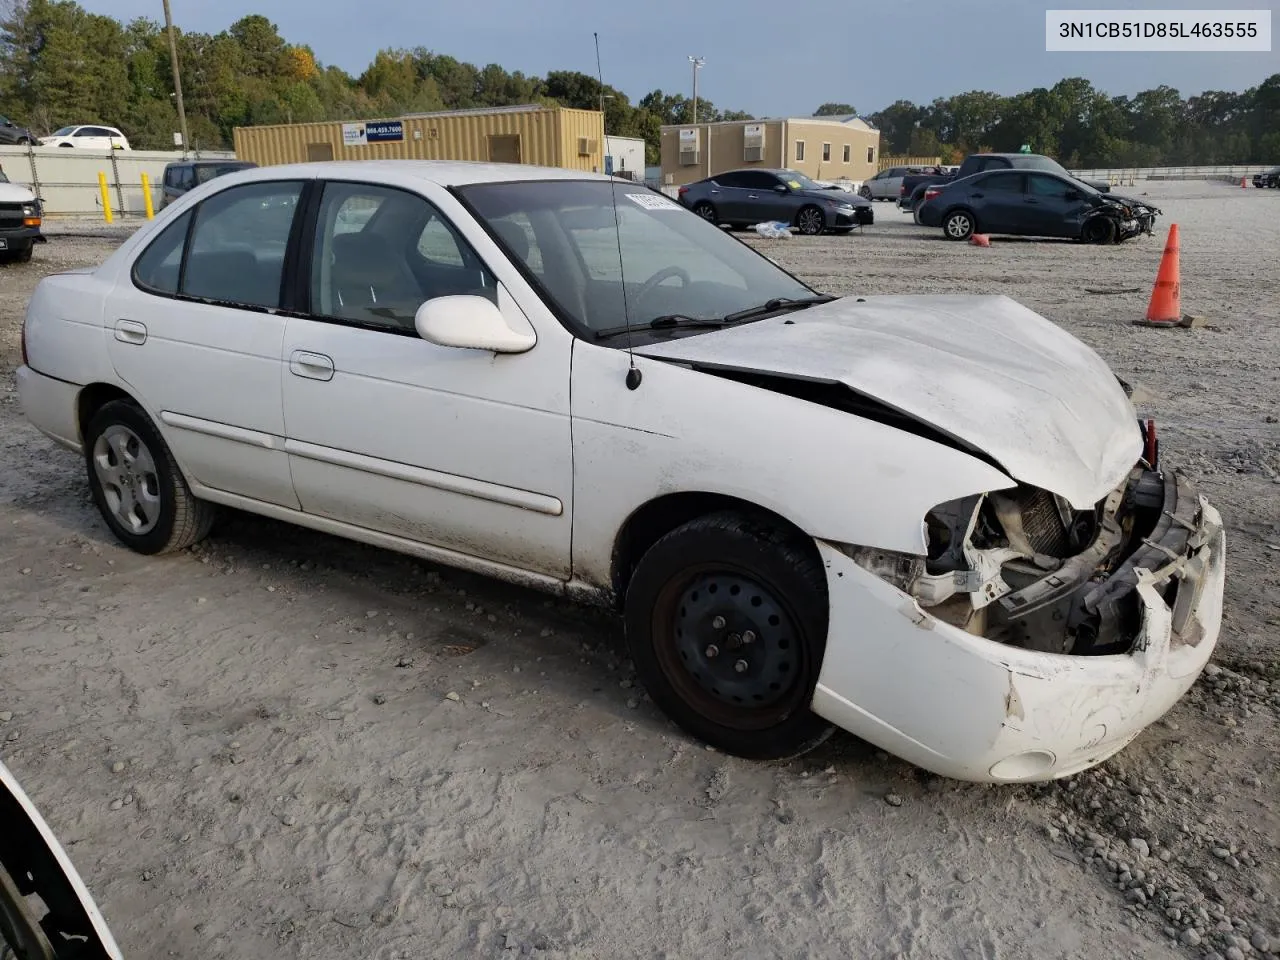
(470, 322)
(781, 188)
(1072, 194)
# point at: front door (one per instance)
(765, 200)
(504, 148)
(192, 334)
(461, 449)
(1050, 211)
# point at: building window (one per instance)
(826, 153)
(799, 150)
(847, 151)
(871, 154)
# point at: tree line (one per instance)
(60, 64)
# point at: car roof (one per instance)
(444, 173)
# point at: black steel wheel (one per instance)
(1099, 230)
(705, 210)
(726, 622)
(811, 221)
(865, 193)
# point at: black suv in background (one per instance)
(188, 174)
(1267, 178)
(10, 132)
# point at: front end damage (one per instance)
(1033, 640)
(1130, 217)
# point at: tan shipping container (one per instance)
(552, 137)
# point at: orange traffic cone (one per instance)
(1165, 308)
(1244, 182)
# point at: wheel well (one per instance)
(92, 398)
(651, 522)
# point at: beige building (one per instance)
(825, 148)
(547, 136)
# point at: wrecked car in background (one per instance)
(46, 913)
(1032, 203)
(935, 522)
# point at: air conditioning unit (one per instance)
(753, 142)
(689, 158)
(587, 146)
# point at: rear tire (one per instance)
(137, 484)
(705, 210)
(958, 225)
(726, 621)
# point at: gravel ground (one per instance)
(284, 744)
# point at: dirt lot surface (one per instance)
(281, 744)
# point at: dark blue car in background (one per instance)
(1033, 203)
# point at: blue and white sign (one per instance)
(373, 131)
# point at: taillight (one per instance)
(902, 190)
(682, 191)
(930, 194)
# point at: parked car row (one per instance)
(742, 198)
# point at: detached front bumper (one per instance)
(966, 707)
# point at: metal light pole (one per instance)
(177, 78)
(697, 65)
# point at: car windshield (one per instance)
(656, 260)
(63, 132)
(794, 177)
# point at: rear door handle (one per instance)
(131, 331)
(977, 196)
(313, 366)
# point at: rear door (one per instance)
(997, 200)
(196, 335)
(728, 192)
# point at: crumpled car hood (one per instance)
(984, 370)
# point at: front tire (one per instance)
(1099, 230)
(958, 225)
(865, 193)
(811, 221)
(726, 621)
(137, 485)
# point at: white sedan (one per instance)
(934, 521)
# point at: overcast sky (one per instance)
(768, 57)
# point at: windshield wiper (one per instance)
(664, 322)
(776, 305)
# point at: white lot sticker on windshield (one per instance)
(654, 201)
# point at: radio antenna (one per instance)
(633, 372)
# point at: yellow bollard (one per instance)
(146, 195)
(106, 197)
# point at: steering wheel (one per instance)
(666, 273)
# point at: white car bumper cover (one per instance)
(50, 405)
(969, 708)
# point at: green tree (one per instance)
(834, 110)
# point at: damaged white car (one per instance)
(936, 522)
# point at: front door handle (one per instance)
(977, 196)
(131, 331)
(313, 366)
